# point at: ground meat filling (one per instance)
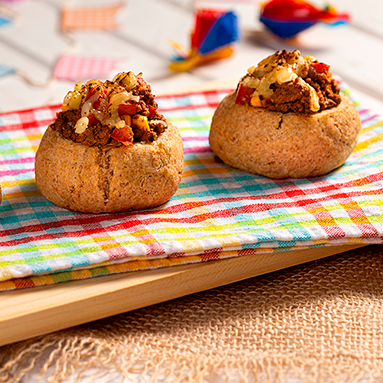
(95, 135)
(104, 135)
(100, 135)
(295, 94)
(326, 88)
(294, 97)
(289, 96)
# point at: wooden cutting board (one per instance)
(40, 310)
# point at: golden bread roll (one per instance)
(283, 129)
(280, 145)
(89, 179)
(104, 168)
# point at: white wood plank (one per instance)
(366, 15)
(142, 42)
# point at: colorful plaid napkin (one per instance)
(217, 212)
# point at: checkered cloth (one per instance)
(217, 212)
(76, 68)
(90, 18)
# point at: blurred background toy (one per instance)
(287, 18)
(212, 39)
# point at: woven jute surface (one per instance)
(318, 322)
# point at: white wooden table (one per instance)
(33, 43)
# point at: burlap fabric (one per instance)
(318, 322)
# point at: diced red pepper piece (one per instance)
(93, 120)
(152, 111)
(243, 94)
(128, 108)
(123, 135)
(101, 94)
(97, 103)
(320, 67)
(91, 92)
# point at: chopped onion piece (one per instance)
(79, 86)
(115, 101)
(81, 125)
(128, 80)
(120, 124)
(285, 75)
(314, 99)
(71, 101)
(85, 110)
(99, 115)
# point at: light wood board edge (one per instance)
(41, 310)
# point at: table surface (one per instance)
(33, 42)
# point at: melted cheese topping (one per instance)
(280, 68)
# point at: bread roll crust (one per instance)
(280, 145)
(92, 180)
